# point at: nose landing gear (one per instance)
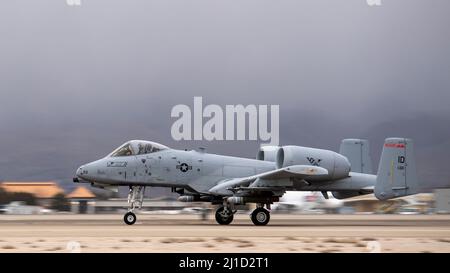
(129, 218)
(135, 199)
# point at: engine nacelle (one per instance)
(337, 165)
(267, 153)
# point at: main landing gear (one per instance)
(224, 215)
(260, 216)
(135, 199)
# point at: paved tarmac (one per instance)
(187, 233)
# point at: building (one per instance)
(442, 202)
(82, 200)
(44, 191)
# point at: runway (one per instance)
(187, 233)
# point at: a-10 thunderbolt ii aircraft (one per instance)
(230, 181)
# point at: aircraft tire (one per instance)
(260, 217)
(129, 218)
(222, 218)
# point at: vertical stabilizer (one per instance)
(397, 175)
(357, 152)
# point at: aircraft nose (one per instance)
(88, 171)
(79, 172)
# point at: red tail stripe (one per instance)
(394, 145)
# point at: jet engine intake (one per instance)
(267, 153)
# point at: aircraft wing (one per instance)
(268, 180)
(296, 171)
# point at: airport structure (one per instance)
(442, 200)
(82, 200)
(45, 193)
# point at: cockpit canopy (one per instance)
(138, 147)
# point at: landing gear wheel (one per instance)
(224, 216)
(129, 218)
(260, 217)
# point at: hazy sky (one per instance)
(76, 82)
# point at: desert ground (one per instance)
(187, 233)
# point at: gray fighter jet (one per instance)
(230, 181)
